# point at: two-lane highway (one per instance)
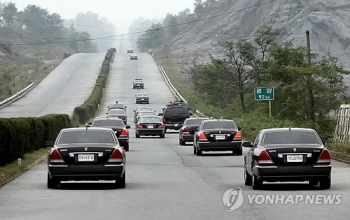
(163, 179)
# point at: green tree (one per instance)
(153, 38)
(9, 12)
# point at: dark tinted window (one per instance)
(150, 120)
(86, 136)
(170, 112)
(196, 121)
(291, 137)
(102, 123)
(219, 124)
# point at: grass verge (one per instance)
(11, 171)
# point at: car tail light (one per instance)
(202, 137)
(185, 130)
(160, 126)
(116, 156)
(124, 132)
(238, 136)
(55, 156)
(325, 157)
(264, 158)
(164, 119)
(139, 126)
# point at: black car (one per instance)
(133, 57)
(130, 50)
(218, 135)
(174, 116)
(149, 125)
(84, 154)
(287, 154)
(138, 84)
(142, 98)
(118, 126)
(188, 129)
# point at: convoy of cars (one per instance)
(98, 151)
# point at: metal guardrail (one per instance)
(177, 95)
(17, 96)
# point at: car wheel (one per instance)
(239, 152)
(198, 152)
(120, 182)
(182, 142)
(325, 183)
(194, 150)
(126, 147)
(137, 135)
(247, 178)
(162, 136)
(257, 184)
(52, 183)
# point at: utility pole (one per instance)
(308, 46)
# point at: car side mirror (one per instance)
(89, 123)
(125, 106)
(163, 109)
(239, 128)
(49, 143)
(160, 114)
(135, 95)
(247, 144)
(324, 143)
(191, 113)
(128, 127)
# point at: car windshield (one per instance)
(116, 111)
(142, 95)
(291, 137)
(194, 122)
(219, 125)
(147, 113)
(106, 123)
(171, 112)
(150, 120)
(86, 136)
(121, 106)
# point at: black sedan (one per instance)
(85, 154)
(150, 125)
(189, 128)
(287, 154)
(118, 126)
(142, 98)
(218, 135)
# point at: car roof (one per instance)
(85, 128)
(188, 119)
(106, 119)
(211, 120)
(287, 129)
(142, 93)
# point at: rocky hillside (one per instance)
(327, 20)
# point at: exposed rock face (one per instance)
(327, 20)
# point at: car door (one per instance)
(250, 154)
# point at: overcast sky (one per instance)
(119, 12)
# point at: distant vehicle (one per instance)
(142, 98)
(145, 113)
(118, 113)
(117, 106)
(218, 135)
(84, 154)
(118, 126)
(150, 52)
(140, 109)
(130, 50)
(189, 128)
(138, 84)
(150, 125)
(174, 116)
(287, 155)
(133, 57)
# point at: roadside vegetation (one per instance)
(308, 88)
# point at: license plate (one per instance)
(294, 158)
(175, 125)
(220, 137)
(138, 84)
(86, 157)
(150, 126)
(142, 99)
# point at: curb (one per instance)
(340, 157)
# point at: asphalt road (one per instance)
(75, 75)
(164, 180)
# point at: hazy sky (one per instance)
(119, 12)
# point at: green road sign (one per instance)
(264, 93)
